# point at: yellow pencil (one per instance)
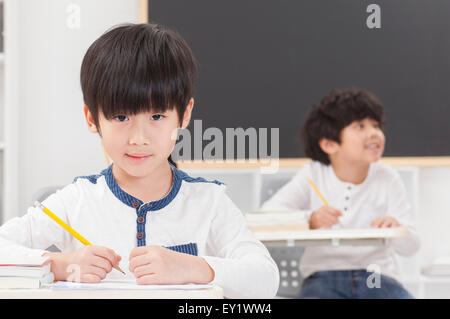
(67, 227)
(318, 193)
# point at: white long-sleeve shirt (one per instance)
(382, 193)
(196, 217)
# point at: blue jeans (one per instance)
(351, 284)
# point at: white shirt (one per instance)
(196, 217)
(382, 193)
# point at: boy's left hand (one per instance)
(155, 265)
(384, 222)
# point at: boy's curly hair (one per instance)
(336, 110)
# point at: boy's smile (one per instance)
(137, 157)
(362, 142)
(140, 144)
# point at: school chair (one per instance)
(44, 192)
(41, 195)
(286, 258)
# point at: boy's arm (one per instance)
(34, 232)
(400, 208)
(294, 195)
(242, 265)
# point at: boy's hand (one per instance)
(384, 222)
(92, 262)
(154, 265)
(325, 216)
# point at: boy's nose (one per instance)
(138, 136)
(374, 131)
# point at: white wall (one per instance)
(434, 217)
(54, 143)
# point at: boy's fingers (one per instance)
(138, 261)
(332, 216)
(386, 223)
(336, 212)
(143, 271)
(150, 279)
(97, 271)
(138, 251)
(90, 278)
(107, 253)
(331, 219)
(101, 263)
(375, 222)
(328, 221)
(333, 211)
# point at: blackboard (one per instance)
(263, 63)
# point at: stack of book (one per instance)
(439, 267)
(261, 221)
(24, 272)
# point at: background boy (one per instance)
(343, 136)
(142, 212)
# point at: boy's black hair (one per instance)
(336, 110)
(134, 68)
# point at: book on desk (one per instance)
(260, 221)
(24, 272)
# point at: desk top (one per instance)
(48, 293)
(324, 234)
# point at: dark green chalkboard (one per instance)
(263, 63)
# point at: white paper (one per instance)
(124, 286)
(115, 280)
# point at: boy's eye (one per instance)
(157, 117)
(121, 118)
(359, 125)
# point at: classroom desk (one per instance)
(48, 293)
(334, 237)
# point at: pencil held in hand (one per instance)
(318, 193)
(68, 228)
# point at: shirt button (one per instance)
(349, 187)
(140, 235)
(347, 198)
(140, 220)
(135, 204)
(345, 208)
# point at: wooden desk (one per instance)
(334, 237)
(48, 293)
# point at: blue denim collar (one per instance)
(136, 203)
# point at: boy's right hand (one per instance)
(325, 216)
(92, 262)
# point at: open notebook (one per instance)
(118, 281)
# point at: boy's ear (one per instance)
(89, 120)
(330, 147)
(187, 113)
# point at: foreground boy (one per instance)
(142, 212)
